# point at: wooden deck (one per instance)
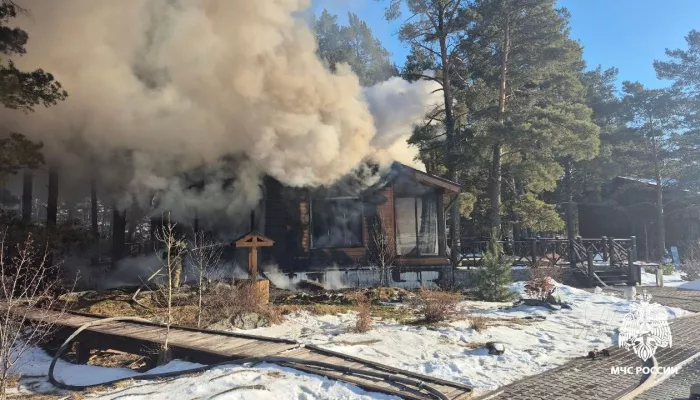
(207, 347)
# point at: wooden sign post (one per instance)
(252, 241)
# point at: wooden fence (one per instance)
(539, 251)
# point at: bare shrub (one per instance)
(542, 282)
(382, 249)
(170, 273)
(205, 255)
(29, 283)
(436, 306)
(478, 322)
(363, 323)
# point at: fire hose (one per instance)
(284, 361)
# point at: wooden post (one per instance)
(631, 270)
(82, 352)
(605, 248)
(442, 241)
(590, 268)
(253, 263)
(634, 247)
(611, 251)
(252, 241)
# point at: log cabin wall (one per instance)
(290, 223)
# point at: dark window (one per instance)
(336, 223)
(416, 225)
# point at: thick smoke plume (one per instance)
(160, 90)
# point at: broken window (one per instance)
(416, 225)
(336, 222)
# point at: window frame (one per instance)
(416, 229)
(358, 199)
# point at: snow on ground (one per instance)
(265, 381)
(455, 351)
(693, 285)
(536, 339)
(672, 280)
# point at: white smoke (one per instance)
(160, 88)
(397, 105)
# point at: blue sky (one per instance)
(627, 34)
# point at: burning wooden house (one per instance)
(400, 219)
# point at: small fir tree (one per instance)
(494, 277)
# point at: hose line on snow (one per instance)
(284, 361)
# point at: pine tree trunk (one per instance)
(27, 196)
(118, 235)
(660, 226)
(661, 229)
(455, 220)
(52, 203)
(496, 161)
(570, 230)
(132, 221)
(94, 228)
(495, 190)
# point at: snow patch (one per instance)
(536, 338)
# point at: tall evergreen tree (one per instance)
(683, 67)
(355, 45)
(20, 90)
(589, 176)
(652, 144)
(435, 32)
(521, 51)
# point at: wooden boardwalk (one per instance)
(207, 347)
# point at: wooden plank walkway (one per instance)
(205, 346)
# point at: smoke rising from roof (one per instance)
(159, 88)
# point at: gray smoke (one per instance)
(161, 88)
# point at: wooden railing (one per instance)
(551, 252)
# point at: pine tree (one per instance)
(521, 51)
(353, 44)
(589, 176)
(435, 32)
(683, 67)
(21, 91)
(651, 147)
(495, 276)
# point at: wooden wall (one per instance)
(288, 224)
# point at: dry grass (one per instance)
(400, 314)
(224, 303)
(118, 359)
(478, 322)
(436, 306)
(315, 309)
(363, 323)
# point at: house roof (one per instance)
(426, 178)
(652, 182)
